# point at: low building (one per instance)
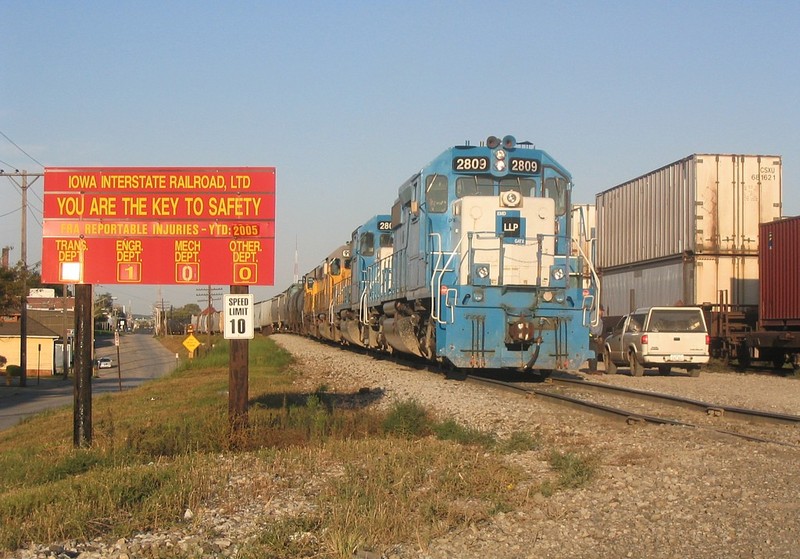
(40, 344)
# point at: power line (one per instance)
(32, 158)
(9, 165)
(11, 212)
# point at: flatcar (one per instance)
(473, 268)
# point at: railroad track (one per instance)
(783, 429)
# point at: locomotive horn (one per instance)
(509, 142)
(492, 142)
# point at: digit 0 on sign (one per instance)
(187, 272)
(245, 273)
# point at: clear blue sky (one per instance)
(348, 99)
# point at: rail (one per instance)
(636, 418)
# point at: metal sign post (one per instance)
(119, 363)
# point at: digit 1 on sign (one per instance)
(129, 272)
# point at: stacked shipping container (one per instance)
(779, 265)
(687, 232)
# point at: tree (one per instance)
(11, 286)
(103, 305)
(184, 314)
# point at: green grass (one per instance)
(166, 446)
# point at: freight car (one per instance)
(692, 232)
(688, 231)
(474, 267)
(776, 337)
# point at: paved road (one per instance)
(143, 358)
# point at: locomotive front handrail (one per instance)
(594, 315)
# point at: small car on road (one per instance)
(658, 337)
(105, 363)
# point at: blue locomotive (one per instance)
(473, 268)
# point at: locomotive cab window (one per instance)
(474, 186)
(436, 193)
(367, 245)
(518, 184)
(556, 188)
(386, 240)
(335, 267)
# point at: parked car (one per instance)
(658, 337)
(104, 363)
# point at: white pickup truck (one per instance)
(658, 337)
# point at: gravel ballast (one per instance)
(659, 492)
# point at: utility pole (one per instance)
(23, 317)
(208, 321)
(208, 295)
(64, 355)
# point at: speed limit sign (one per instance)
(238, 317)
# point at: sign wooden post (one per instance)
(84, 327)
(238, 376)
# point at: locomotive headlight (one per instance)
(500, 155)
(477, 295)
(500, 165)
(482, 271)
(547, 296)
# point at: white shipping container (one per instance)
(703, 204)
(728, 279)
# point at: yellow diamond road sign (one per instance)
(191, 343)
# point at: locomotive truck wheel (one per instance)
(637, 369)
(611, 368)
